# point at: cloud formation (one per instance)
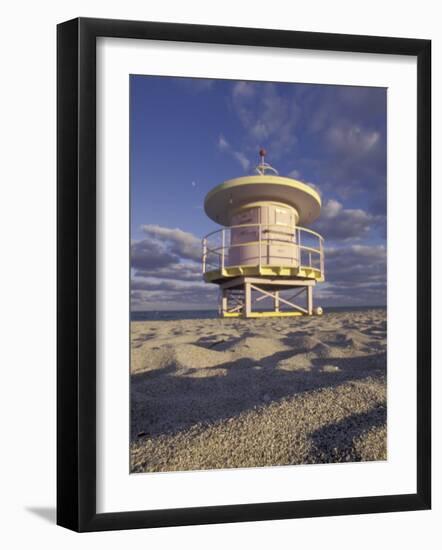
(347, 124)
(166, 275)
(151, 254)
(342, 129)
(357, 263)
(267, 117)
(177, 242)
(164, 296)
(339, 223)
(182, 271)
(167, 272)
(355, 275)
(153, 283)
(205, 298)
(352, 140)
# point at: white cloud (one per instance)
(223, 144)
(179, 242)
(295, 174)
(151, 254)
(339, 223)
(165, 278)
(242, 159)
(152, 283)
(182, 271)
(355, 275)
(352, 140)
(167, 271)
(163, 295)
(268, 117)
(243, 89)
(331, 209)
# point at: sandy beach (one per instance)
(227, 393)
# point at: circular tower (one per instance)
(263, 246)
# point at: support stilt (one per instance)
(276, 304)
(223, 302)
(248, 299)
(309, 300)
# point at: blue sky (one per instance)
(188, 135)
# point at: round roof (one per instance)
(221, 200)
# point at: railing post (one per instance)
(299, 247)
(204, 254)
(222, 248)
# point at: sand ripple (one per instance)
(235, 393)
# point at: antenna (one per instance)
(264, 166)
(262, 154)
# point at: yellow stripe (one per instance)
(253, 270)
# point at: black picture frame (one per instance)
(76, 274)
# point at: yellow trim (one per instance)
(265, 180)
(276, 314)
(257, 314)
(267, 270)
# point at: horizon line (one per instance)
(206, 309)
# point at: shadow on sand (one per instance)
(335, 442)
(164, 403)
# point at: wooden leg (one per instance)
(223, 302)
(276, 300)
(248, 300)
(310, 300)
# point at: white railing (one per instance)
(270, 244)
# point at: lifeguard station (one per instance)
(263, 247)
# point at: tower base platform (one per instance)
(241, 296)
